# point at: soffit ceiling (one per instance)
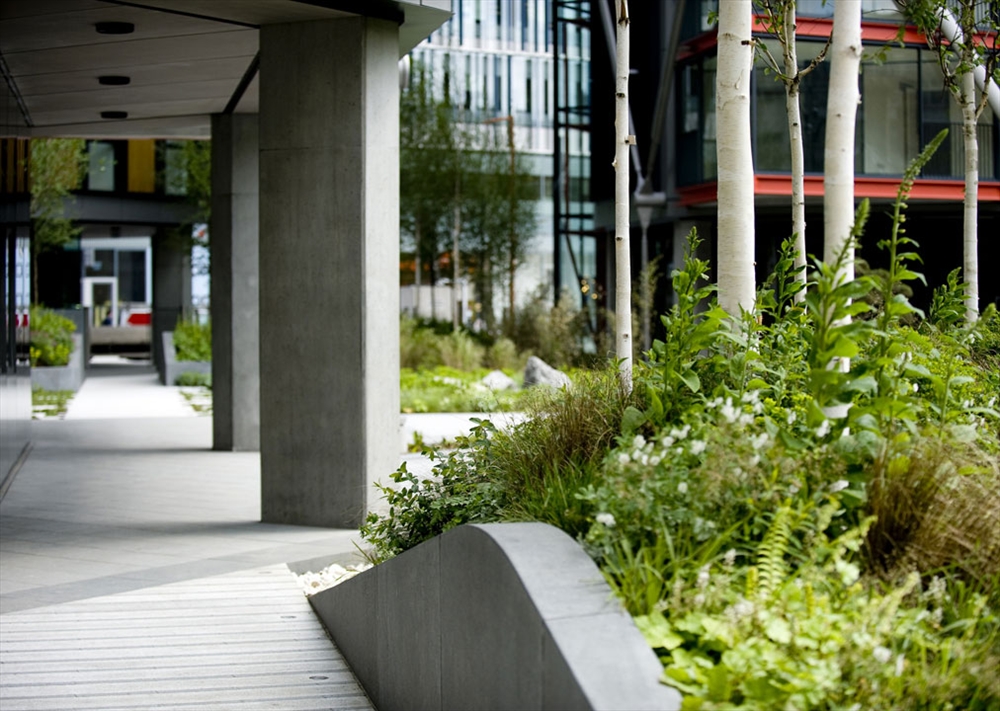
(186, 60)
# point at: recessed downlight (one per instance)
(114, 28)
(114, 114)
(113, 80)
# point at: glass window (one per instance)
(888, 119)
(101, 165)
(708, 152)
(772, 152)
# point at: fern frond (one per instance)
(771, 555)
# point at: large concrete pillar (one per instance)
(235, 283)
(171, 288)
(329, 254)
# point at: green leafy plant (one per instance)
(192, 379)
(51, 338)
(193, 340)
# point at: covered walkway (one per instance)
(135, 572)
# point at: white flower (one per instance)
(754, 460)
(823, 429)
(745, 419)
(699, 600)
(729, 558)
(790, 419)
(900, 664)
(703, 577)
(682, 487)
(741, 609)
(667, 442)
(839, 485)
(698, 446)
(793, 489)
(728, 411)
(751, 396)
(623, 458)
(759, 441)
(644, 460)
(605, 519)
(639, 442)
(654, 460)
(845, 433)
(681, 433)
(882, 654)
(936, 589)
(916, 388)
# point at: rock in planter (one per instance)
(498, 380)
(538, 372)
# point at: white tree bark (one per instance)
(841, 115)
(623, 261)
(735, 159)
(795, 144)
(970, 238)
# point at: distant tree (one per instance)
(735, 158)
(427, 172)
(56, 168)
(463, 183)
(970, 73)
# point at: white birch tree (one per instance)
(780, 19)
(969, 72)
(623, 260)
(734, 157)
(841, 116)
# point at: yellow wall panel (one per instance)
(141, 166)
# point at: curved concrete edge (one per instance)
(497, 616)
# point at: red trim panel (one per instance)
(875, 188)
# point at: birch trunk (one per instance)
(417, 275)
(841, 115)
(795, 144)
(456, 294)
(623, 274)
(735, 160)
(970, 270)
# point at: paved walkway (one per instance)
(134, 571)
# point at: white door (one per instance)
(101, 295)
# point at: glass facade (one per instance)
(904, 103)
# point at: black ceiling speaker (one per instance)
(114, 114)
(113, 80)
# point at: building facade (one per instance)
(904, 104)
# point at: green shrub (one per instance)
(51, 338)
(556, 334)
(502, 355)
(193, 340)
(192, 379)
(418, 346)
(459, 350)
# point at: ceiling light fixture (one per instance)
(113, 80)
(114, 114)
(114, 28)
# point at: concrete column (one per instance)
(171, 288)
(329, 254)
(235, 284)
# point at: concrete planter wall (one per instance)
(499, 616)
(172, 368)
(62, 377)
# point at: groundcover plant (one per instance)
(800, 507)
